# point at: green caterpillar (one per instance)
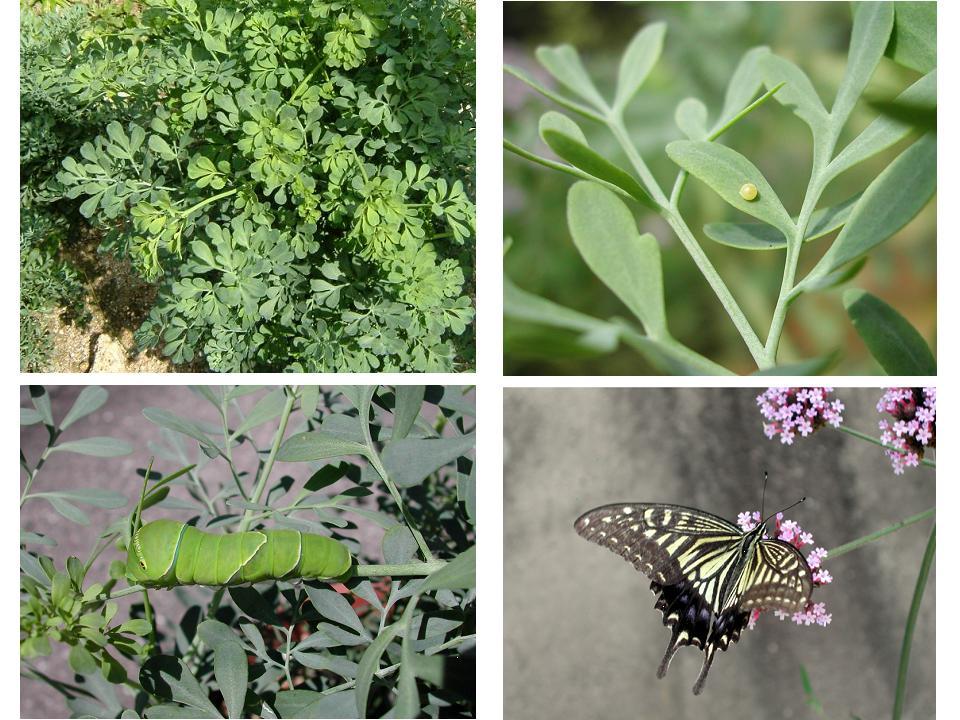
(166, 553)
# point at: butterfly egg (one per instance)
(748, 191)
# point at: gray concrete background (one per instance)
(581, 636)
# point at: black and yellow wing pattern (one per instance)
(706, 572)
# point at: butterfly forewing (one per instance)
(662, 541)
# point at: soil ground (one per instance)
(118, 301)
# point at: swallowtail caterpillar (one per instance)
(167, 553)
(748, 191)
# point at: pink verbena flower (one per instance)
(789, 411)
(914, 429)
(791, 532)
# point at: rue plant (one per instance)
(603, 228)
(389, 505)
(297, 177)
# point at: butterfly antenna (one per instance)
(763, 494)
(787, 508)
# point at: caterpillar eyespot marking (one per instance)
(748, 191)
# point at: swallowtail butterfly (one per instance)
(707, 573)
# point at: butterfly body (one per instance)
(706, 572)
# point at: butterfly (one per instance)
(707, 573)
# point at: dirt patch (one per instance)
(118, 300)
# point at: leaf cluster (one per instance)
(628, 262)
(397, 459)
(296, 176)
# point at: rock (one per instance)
(109, 355)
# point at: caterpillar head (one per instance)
(153, 552)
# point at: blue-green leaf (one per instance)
(888, 203)
(605, 233)
(913, 42)
(90, 400)
(563, 62)
(637, 61)
(725, 171)
(565, 138)
(97, 446)
(894, 343)
(872, 22)
(594, 336)
(756, 236)
(746, 80)
(317, 445)
(797, 94)
(691, 118)
(885, 130)
(409, 460)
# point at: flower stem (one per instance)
(860, 542)
(911, 624)
(877, 441)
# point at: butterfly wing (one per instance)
(691, 558)
(662, 541)
(775, 577)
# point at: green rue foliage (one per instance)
(296, 176)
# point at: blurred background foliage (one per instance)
(703, 44)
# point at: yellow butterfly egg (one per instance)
(748, 191)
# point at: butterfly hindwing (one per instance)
(778, 578)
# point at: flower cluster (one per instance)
(914, 428)
(791, 532)
(789, 411)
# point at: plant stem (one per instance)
(620, 133)
(286, 655)
(296, 93)
(228, 451)
(131, 590)
(413, 569)
(823, 147)
(860, 542)
(561, 167)
(911, 624)
(720, 288)
(373, 457)
(576, 107)
(148, 616)
(219, 196)
(271, 458)
(32, 474)
(794, 245)
(393, 668)
(672, 214)
(876, 441)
